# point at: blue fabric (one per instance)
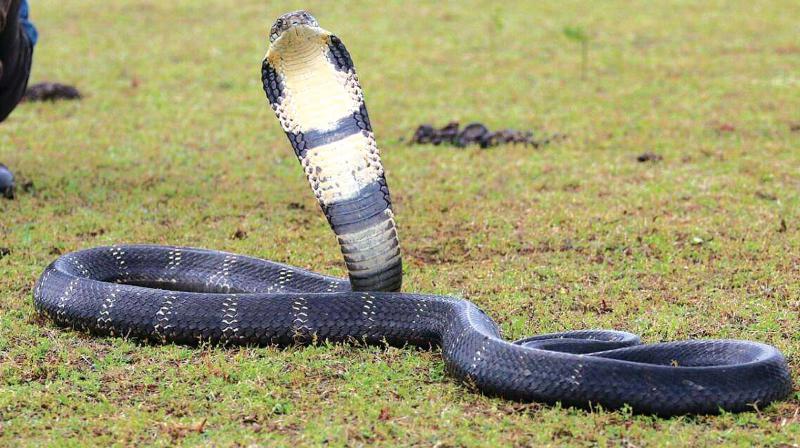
(27, 26)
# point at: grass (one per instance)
(174, 144)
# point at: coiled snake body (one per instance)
(184, 295)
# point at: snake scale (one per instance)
(185, 295)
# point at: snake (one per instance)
(182, 295)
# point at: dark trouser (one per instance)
(16, 54)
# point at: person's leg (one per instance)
(17, 37)
(16, 53)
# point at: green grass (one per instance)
(174, 144)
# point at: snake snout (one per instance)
(289, 21)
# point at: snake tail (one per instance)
(312, 86)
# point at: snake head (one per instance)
(289, 21)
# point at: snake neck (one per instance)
(312, 86)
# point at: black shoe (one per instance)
(6, 182)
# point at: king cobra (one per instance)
(184, 295)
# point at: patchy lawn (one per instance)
(174, 144)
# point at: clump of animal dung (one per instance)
(51, 91)
(477, 134)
